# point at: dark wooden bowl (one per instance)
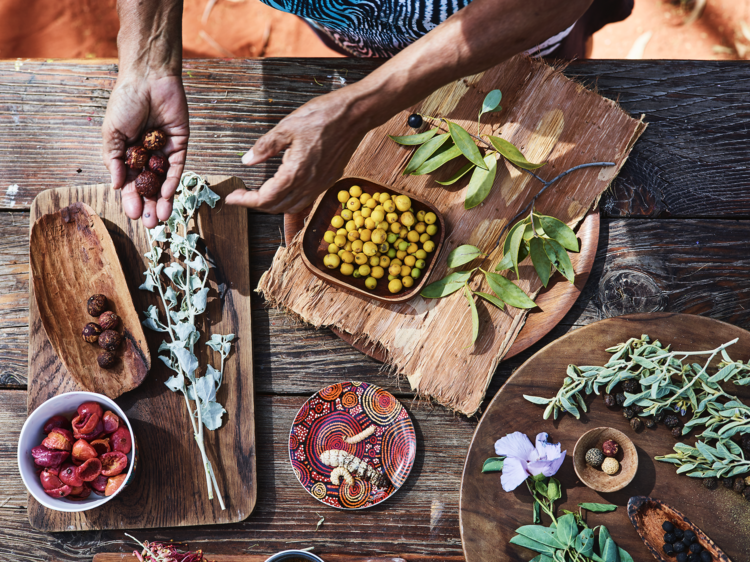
(595, 478)
(314, 248)
(648, 515)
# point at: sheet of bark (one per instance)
(549, 118)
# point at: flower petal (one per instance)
(514, 445)
(545, 449)
(546, 467)
(514, 473)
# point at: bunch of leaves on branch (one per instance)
(438, 148)
(546, 239)
(665, 384)
(181, 283)
(568, 537)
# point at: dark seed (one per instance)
(711, 482)
(670, 538)
(609, 400)
(671, 421)
(676, 432)
(631, 386)
(746, 493)
(636, 424)
(628, 413)
(727, 482)
(659, 417)
(620, 398)
(739, 484)
(650, 423)
(415, 121)
(667, 526)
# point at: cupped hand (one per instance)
(138, 104)
(319, 138)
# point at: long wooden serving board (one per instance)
(170, 487)
(128, 557)
(489, 516)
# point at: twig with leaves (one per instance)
(182, 287)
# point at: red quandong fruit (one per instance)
(99, 484)
(111, 422)
(49, 480)
(46, 458)
(59, 439)
(69, 475)
(113, 463)
(114, 483)
(60, 492)
(101, 445)
(90, 470)
(83, 451)
(56, 421)
(121, 440)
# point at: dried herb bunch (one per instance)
(163, 552)
(181, 283)
(668, 382)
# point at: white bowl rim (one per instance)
(62, 504)
(274, 557)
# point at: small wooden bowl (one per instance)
(595, 478)
(314, 248)
(647, 516)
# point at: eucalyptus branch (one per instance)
(181, 286)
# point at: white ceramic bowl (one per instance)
(294, 554)
(32, 435)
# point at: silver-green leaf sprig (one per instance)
(670, 382)
(435, 150)
(181, 284)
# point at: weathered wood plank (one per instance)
(656, 264)
(420, 518)
(691, 162)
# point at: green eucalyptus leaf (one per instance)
(539, 258)
(446, 286)
(481, 182)
(598, 507)
(507, 261)
(438, 160)
(424, 152)
(558, 230)
(467, 145)
(493, 464)
(474, 314)
(512, 154)
(515, 246)
(491, 298)
(491, 103)
(458, 175)
(463, 255)
(560, 259)
(508, 291)
(413, 140)
(538, 400)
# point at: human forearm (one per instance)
(474, 39)
(150, 39)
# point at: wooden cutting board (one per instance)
(170, 487)
(489, 516)
(128, 557)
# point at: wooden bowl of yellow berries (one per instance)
(373, 240)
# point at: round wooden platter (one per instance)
(554, 302)
(489, 516)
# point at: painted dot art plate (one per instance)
(340, 412)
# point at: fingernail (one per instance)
(247, 157)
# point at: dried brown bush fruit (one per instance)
(109, 321)
(109, 340)
(158, 164)
(147, 184)
(106, 359)
(91, 332)
(154, 139)
(136, 157)
(96, 305)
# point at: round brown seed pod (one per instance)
(147, 184)
(610, 448)
(106, 359)
(91, 332)
(154, 139)
(109, 321)
(109, 340)
(136, 157)
(96, 305)
(610, 466)
(158, 164)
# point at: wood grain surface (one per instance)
(489, 516)
(689, 166)
(73, 258)
(127, 557)
(169, 489)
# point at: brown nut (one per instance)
(154, 139)
(109, 321)
(136, 157)
(147, 184)
(106, 359)
(109, 340)
(91, 332)
(158, 164)
(96, 305)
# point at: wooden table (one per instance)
(674, 236)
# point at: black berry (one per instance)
(682, 557)
(659, 417)
(690, 536)
(620, 398)
(609, 400)
(650, 423)
(636, 424)
(670, 538)
(696, 548)
(671, 421)
(667, 526)
(676, 432)
(678, 534)
(727, 482)
(631, 386)
(711, 482)
(628, 413)
(679, 546)
(739, 484)
(415, 121)
(706, 556)
(668, 549)
(693, 558)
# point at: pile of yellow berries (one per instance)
(378, 234)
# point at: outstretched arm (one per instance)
(321, 136)
(148, 93)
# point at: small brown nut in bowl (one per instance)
(596, 478)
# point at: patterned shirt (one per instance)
(382, 28)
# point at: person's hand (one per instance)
(138, 104)
(319, 139)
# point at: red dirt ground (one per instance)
(247, 28)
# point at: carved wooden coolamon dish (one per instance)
(169, 488)
(489, 516)
(72, 257)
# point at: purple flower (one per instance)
(522, 459)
